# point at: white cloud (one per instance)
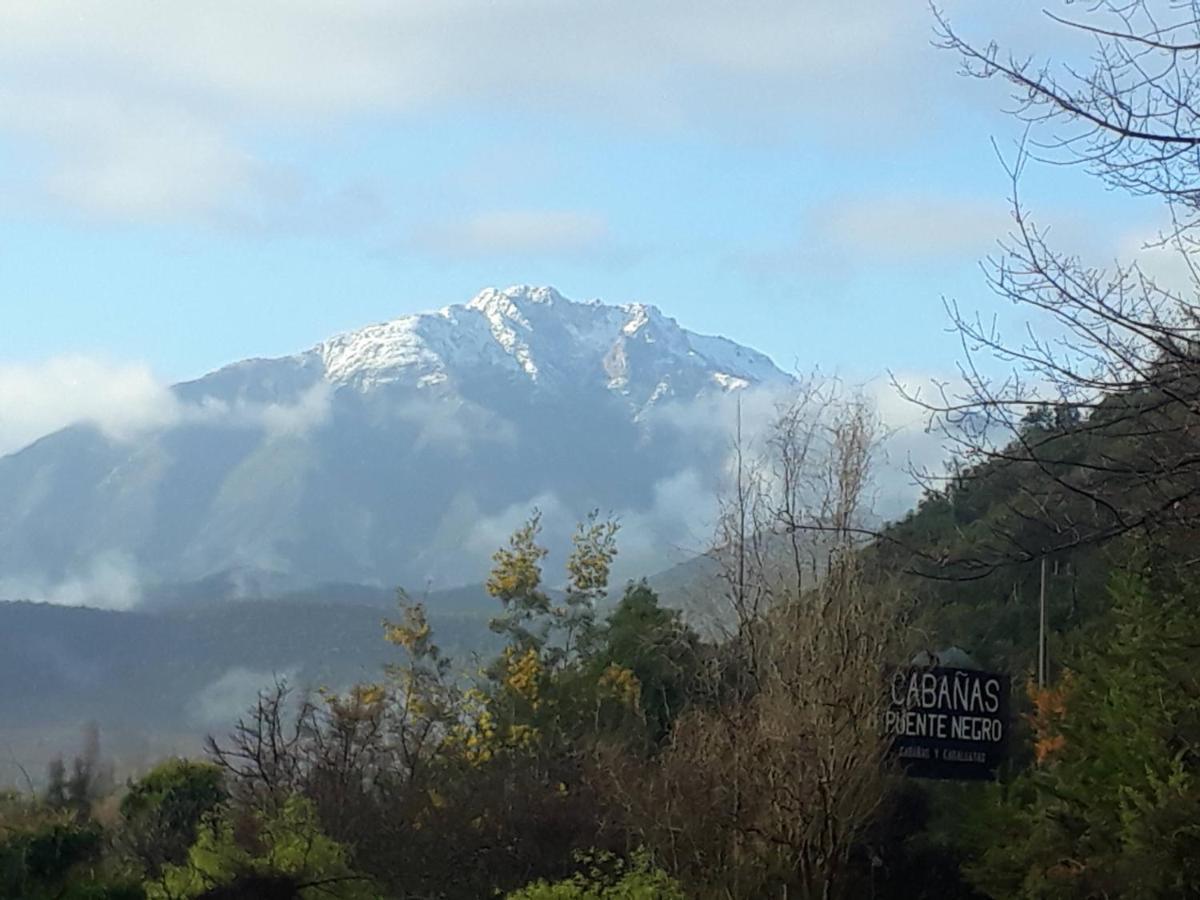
(536, 232)
(676, 526)
(906, 445)
(310, 410)
(674, 520)
(109, 581)
(914, 226)
(455, 426)
(132, 159)
(292, 419)
(489, 532)
(911, 446)
(308, 57)
(228, 697)
(126, 400)
(147, 105)
(120, 399)
(712, 420)
(677, 520)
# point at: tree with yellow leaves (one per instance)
(532, 618)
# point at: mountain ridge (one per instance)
(495, 327)
(398, 453)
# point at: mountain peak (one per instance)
(543, 338)
(388, 453)
(517, 295)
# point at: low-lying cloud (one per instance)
(455, 426)
(678, 519)
(911, 446)
(671, 519)
(676, 524)
(293, 419)
(226, 698)
(120, 399)
(110, 580)
(126, 400)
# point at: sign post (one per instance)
(947, 723)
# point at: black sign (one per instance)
(947, 723)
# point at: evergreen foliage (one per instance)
(1112, 807)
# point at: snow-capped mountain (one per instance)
(398, 453)
(536, 334)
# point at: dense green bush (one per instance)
(162, 811)
(606, 877)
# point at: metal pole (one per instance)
(1042, 629)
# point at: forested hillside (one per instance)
(624, 751)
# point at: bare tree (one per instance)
(773, 781)
(786, 507)
(366, 758)
(1098, 418)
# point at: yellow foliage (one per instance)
(479, 738)
(1049, 708)
(364, 701)
(368, 694)
(474, 738)
(415, 706)
(517, 570)
(592, 553)
(622, 684)
(524, 674)
(522, 737)
(472, 743)
(413, 633)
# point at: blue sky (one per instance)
(182, 185)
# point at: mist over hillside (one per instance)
(257, 524)
(399, 454)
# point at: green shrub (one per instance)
(606, 877)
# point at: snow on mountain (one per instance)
(548, 339)
(399, 453)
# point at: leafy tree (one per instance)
(284, 854)
(531, 619)
(656, 647)
(516, 581)
(1113, 806)
(607, 877)
(48, 854)
(541, 693)
(162, 812)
